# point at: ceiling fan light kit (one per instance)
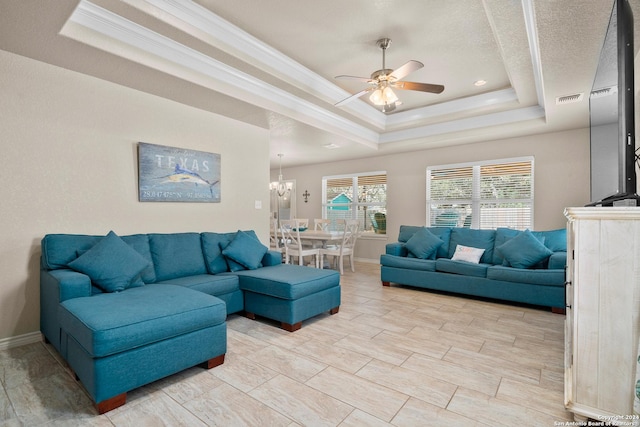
(382, 81)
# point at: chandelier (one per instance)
(281, 187)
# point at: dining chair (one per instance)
(275, 243)
(320, 224)
(303, 222)
(293, 244)
(346, 248)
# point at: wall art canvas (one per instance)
(170, 174)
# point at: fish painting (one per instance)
(181, 174)
(171, 174)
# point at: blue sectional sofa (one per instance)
(520, 266)
(127, 311)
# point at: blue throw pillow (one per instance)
(423, 244)
(111, 264)
(555, 240)
(245, 250)
(524, 250)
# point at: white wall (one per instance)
(561, 162)
(69, 165)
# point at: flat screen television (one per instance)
(611, 108)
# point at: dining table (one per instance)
(321, 235)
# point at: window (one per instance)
(481, 195)
(357, 196)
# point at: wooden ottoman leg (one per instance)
(113, 403)
(386, 284)
(334, 310)
(291, 328)
(249, 315)
(212, 363)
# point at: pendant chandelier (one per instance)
(281, 187)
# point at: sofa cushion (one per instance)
(407, 231)
(519, 275)
(287, 281)
(408, 263)
(176, 255)
(246, 250)
(111, 264)
(424, 244)
(461, 267)
(467, 254)
(524, 250)
(111, 323)
(483, 239)
(208, 283)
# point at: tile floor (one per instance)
(391, 357)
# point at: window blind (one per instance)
(482, 195)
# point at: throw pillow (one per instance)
(524, 250)
(466, 253)
(111, 264)
(245, 250)
(423, 244)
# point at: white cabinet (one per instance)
(603, 311)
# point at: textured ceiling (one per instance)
(272, 63)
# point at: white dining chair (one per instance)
(320, 224)
(346, 247)
(293, 244)
(302, 222)
(275, 242)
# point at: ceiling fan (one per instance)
(382, 81)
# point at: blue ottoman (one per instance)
(289, 293)
(116, 342)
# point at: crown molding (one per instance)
(144, 46)
(534, 49)
(182, 61)
(450, 107)
(477, 122)
(239, 43)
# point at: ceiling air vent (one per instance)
(569, 99)
(605, 91)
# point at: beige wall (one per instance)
(69, 166)
(561, 179)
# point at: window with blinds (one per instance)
(481, 195)
(357, 196)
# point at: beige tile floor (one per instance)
(391, 357)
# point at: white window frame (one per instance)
(476, 200)
(355, 204)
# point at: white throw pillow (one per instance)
(466, 253)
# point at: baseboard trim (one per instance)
(367, 260)
(20, 340)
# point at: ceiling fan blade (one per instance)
(406, 69)
(422, 87)
(354, 96)
(363, 79)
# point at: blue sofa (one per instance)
(127, 311)
(519, 266)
